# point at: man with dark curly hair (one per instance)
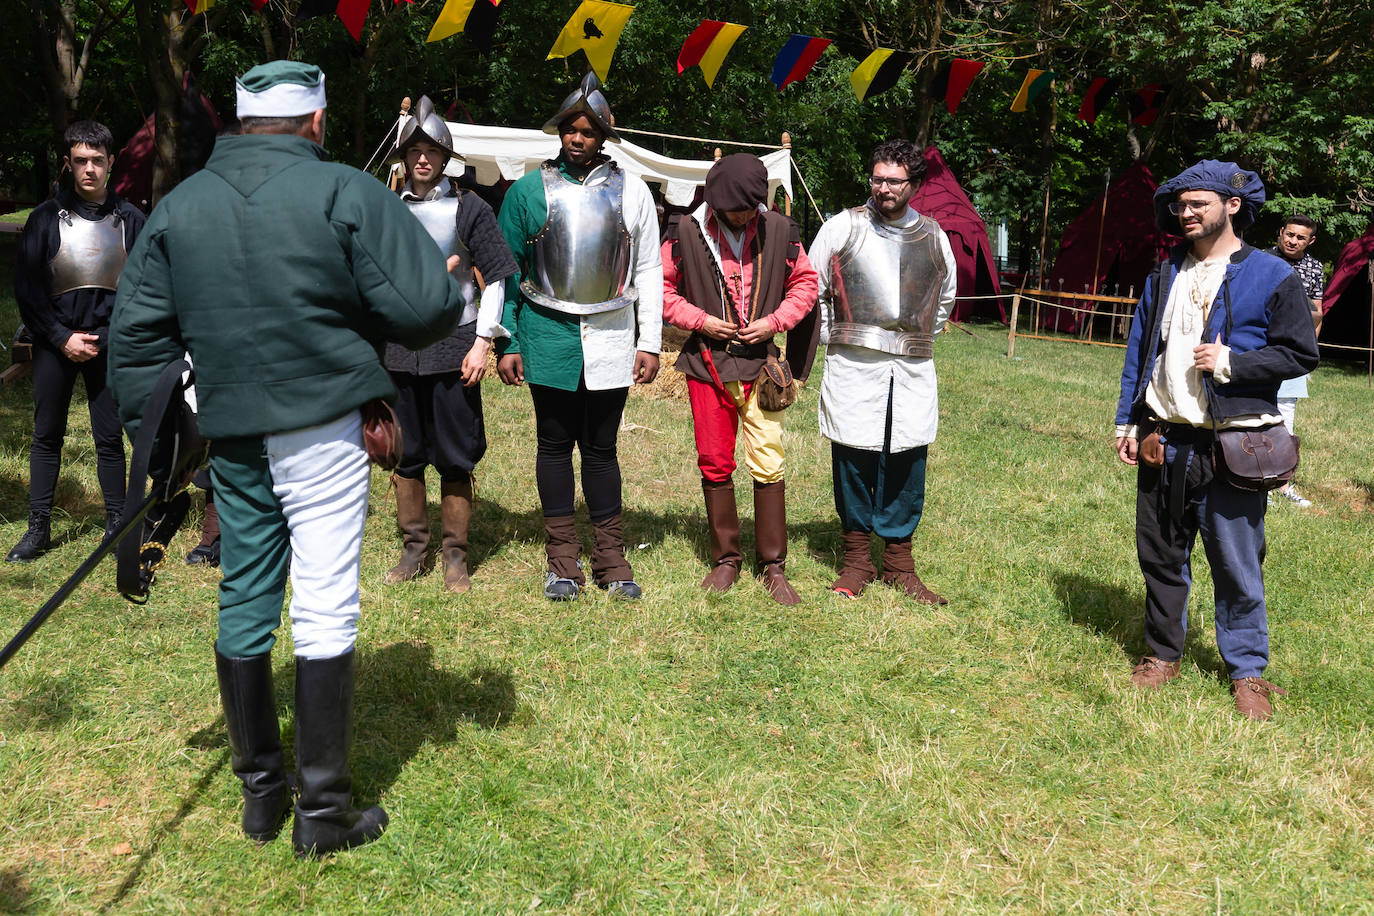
(887, 287)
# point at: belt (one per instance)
(1186, 439)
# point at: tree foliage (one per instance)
(1282, 87)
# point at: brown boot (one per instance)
(1153, 673)
(856, 569)
(413, 521)
(565, 577)
(609, 566)
(1252, 697)
(770, 541)
(722, 520)
(899, 571)
(456, 508)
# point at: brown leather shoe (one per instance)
(770, 541)
(1252, 697)
(413, 521)
(856, 568)
(899, 571)
(722, 520)
(456, 511)
(1153, 673)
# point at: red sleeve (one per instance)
(800, 296)
(677, 311)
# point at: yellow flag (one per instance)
(1036, 82)
(452, 18)
(595, 28)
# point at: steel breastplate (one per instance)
(580, 259)
(90, 253)
(440, 219)
(886, 286)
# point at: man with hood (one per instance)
(439, 395)
(585, 316)
(735, 275)
(281, 275)
(1219, 327)
(888, 282)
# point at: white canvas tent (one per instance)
(509, 152)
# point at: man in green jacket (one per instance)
(281, 274)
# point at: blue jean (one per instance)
(1231, 522)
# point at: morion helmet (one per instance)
(587, 99)
(425, 124)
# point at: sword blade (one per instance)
(105, 549)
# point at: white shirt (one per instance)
(855, 383)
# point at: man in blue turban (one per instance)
(1220, 325)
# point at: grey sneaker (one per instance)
(559, 589)
(1291, 494)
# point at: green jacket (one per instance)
(280, 274)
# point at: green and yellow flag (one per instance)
(595, 28)
(1036, 82)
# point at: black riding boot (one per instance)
(250, 714)
(326, 820)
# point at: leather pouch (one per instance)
(1151, 450)
(1256, 459)
(381, 434)
(777, 389)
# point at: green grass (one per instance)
(16, 216)
(718, 754)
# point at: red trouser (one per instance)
(716, 418)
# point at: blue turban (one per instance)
(1225, 178)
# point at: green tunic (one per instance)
(280, 274)
(549, 341)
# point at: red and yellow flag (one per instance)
(707, 47)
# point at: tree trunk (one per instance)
(162, 36)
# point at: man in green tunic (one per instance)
(281, 274)
(585, 315)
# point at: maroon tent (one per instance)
(133, 167)
(1346, 306)
(1111, 255)
(941, 198)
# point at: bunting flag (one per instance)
(595, 28)
(878, 72)
(200, 6)
(258, 4)
(352, 13)
(707, 47)
(953, 80)
(796, 59)
(1036, 82)
(1146, 102)
(475, 17)
(1100, 92)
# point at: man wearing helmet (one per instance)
(585, 315)
(439, 399)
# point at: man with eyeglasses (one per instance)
(887, 286)
(1219, 326)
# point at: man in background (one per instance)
(1296, 236)
(71, 254)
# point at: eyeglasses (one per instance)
(893, 183)
(1180, 207)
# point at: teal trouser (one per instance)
(255, 547)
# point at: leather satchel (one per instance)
(777, 389)
(1256, 459)
(381, 434)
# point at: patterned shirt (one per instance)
(1309, 271)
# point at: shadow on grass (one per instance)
(172, 824)
(1116, 613)
(1366, 487)
(14, 891)
(48, 704)
(403, 702)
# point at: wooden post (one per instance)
(1369, 270)
(1011, 329)
(787, 198)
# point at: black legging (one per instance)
(589, 419)
(54, 378)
